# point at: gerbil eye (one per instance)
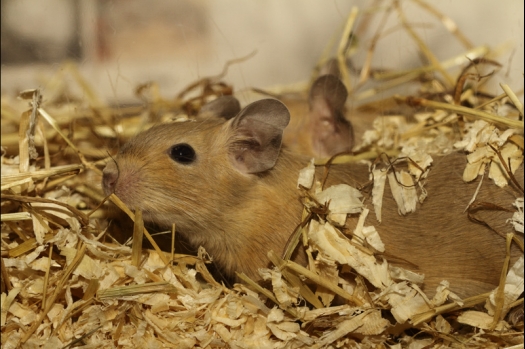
(182, 153)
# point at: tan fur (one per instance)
(438, 239)
(297, 135)
(238, 218)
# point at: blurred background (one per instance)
(119, 44)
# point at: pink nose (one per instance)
(109, 177)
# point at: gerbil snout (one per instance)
(124, 178)
(109, 177)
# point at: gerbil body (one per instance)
(236, 195)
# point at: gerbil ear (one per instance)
(331, 132)
(327, 96)
(257, 133)
(225, 107)
(330, 67)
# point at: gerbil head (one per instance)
(330, 132)
(188, 172)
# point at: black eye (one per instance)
(182, 153)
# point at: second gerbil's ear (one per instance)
(257, 133)
(331, 67)
(330, 131)
(327, 96)
(224, 107)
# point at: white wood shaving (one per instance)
(513, 287)
(306, 175)
(404, 191)
(377, 191)
(517, 217)
(342, 198)
(480, 320)
(332, 244)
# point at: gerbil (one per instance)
(230, 187)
